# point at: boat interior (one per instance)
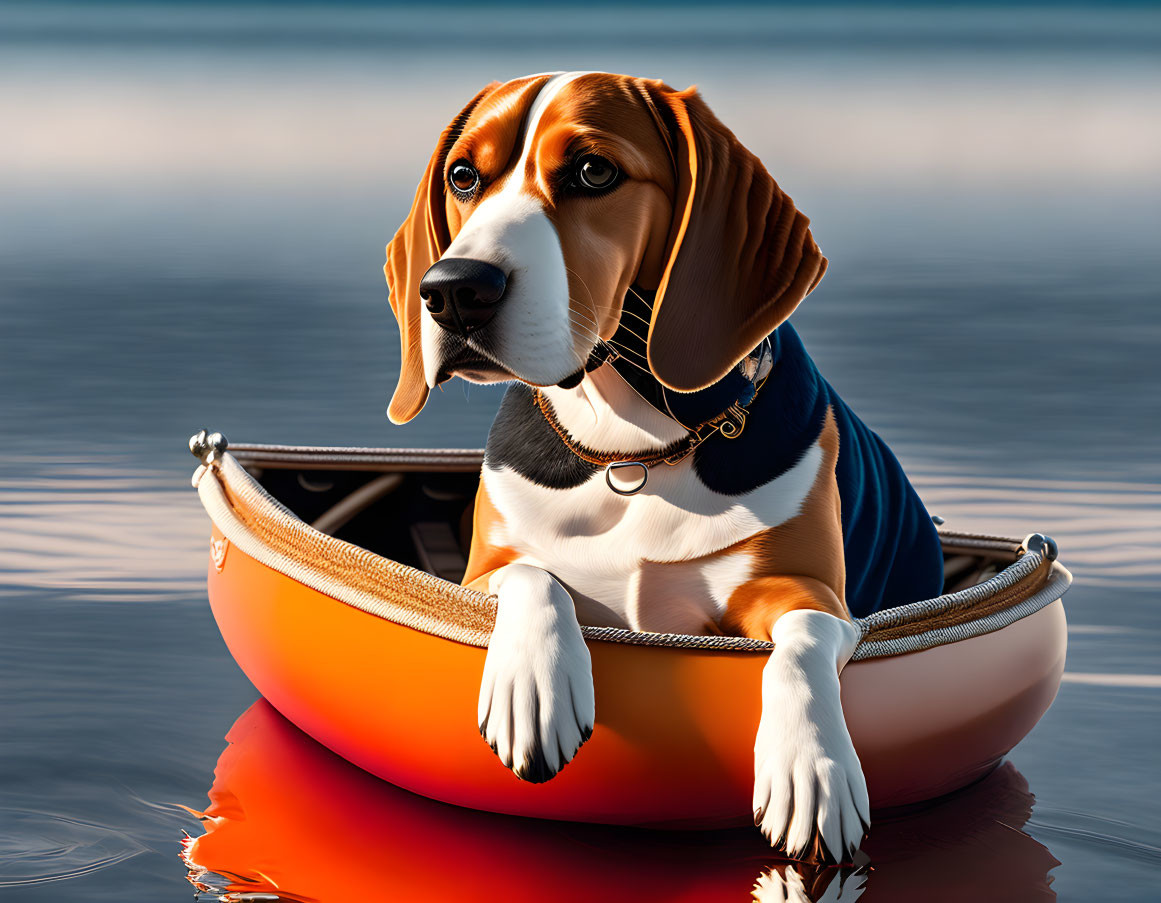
(415, 506)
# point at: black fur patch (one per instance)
(536, 770)
(521, 438)
(784, 421)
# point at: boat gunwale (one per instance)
(1028, 584)
(288, 457)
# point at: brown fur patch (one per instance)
(798, 564)
(484, 557)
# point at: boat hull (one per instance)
(674, 735)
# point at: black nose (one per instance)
(462, 294)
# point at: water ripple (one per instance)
(38, 847)
(1094, 830)
(113, 536)
(1109, 532)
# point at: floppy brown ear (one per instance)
(740, 258)
(418, 244)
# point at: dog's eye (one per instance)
(463, 178)
(595, 173)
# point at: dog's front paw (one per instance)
(537, 704)
(810, 796)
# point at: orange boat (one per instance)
(333, 579)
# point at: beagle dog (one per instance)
(667, 457)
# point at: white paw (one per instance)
(536, 698)
(807, 790)
(773, 887)
(810, 796)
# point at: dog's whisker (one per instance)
(581, 313)
(591, 302)
(632, 358)
(622, 325)
(591, 305)
(594, 319)
(632, 313)
(643, 369)
(641, 298)
(592, 336)
(586, 324)
(591, 327)
(633, 333)
(635, 360)
(585, 285)
(584, 328)
(627, 354)
(587, 333)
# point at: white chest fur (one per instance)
(640, 561)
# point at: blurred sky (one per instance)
(84, 112)
(173, 177)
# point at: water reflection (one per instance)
(288, 817)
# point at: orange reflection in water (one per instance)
(290, 818)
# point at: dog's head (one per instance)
(548, 197)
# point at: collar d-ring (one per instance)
(619, 476)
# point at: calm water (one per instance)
(193, 208)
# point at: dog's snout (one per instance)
(462, 294)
